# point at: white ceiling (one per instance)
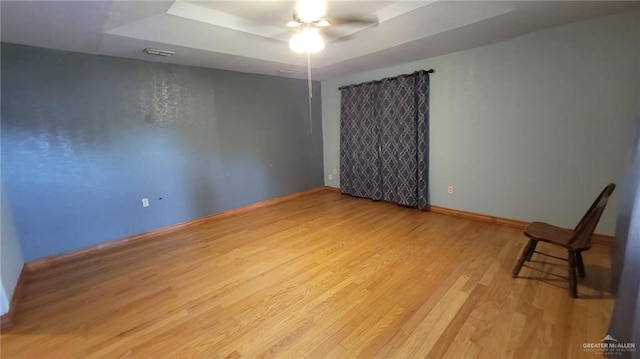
(251, 36)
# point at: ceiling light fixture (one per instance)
(308, 40)
(311, 10)
(308, 15)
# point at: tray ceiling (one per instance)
(251, 36)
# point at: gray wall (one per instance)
(625, 320)
(531, 128)
(11, 260)
(85, 137)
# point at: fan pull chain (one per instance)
(310, 91)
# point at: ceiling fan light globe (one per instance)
(308, 40)
(315, 43)
(310, 10)
(297, 43)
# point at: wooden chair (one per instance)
(575, 241)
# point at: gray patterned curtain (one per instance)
(384, 140)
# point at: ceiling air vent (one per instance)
(157, 52)
(287, 70)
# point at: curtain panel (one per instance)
(384, 140)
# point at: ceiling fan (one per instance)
(308, 19)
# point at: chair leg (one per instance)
(580, 264)
(531, 249)
(523, 257)
(573, 287)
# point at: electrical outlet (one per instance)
(330, 177)
(335, 171)
(450, 190)
(145, 202)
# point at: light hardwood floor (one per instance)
(324, 275)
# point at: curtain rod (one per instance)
(430, 71)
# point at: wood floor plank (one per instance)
(324, 275)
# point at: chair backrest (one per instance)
(584, 230)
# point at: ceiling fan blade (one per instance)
(323, 23)
(370, 20)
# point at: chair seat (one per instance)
(545, 232)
